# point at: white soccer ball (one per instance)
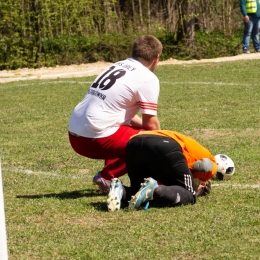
(225, 167)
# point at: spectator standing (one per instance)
(250, 10)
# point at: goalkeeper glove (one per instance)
(205, 190)
(203, 165)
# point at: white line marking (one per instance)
(209, 83)
(85, 176)
(47, 82)
(57, 82)
(161, 82)
(51, 174)
(244, 186)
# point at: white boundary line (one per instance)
(56, 81)
(244, 186)
(3, 240)
(208, 83)
(85, 176)
(5, 86)
(51, 174)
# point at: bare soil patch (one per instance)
(92, 69)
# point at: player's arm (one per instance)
(150, 122)
(136, 121)
(203, 169)
(202, 188)
(203, 165)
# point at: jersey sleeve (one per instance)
(194, 151)
(147, 96)
(243, 7)
(204, 176)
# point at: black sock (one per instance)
(173, 196)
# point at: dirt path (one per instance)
(94, 69)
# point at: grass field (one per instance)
(53, 211)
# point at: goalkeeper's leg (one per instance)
(173, 195)
(165, 195)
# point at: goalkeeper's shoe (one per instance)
(115, 195)
(102, 183)
(144, 194)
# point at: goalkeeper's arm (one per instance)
(202, 188)
(203, 165)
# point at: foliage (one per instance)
(53, 211)
(207, 45)
(69, 50)
(48, 33)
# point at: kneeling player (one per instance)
(175, 170)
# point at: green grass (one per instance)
(54, 212)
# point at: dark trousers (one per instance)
(162, 159)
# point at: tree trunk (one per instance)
(148, 14)
(140, 12)
(190, 25)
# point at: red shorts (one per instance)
(111, 149)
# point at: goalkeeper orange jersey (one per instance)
(192, 150)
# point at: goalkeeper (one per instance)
(173, 169)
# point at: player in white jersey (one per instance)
(103, 122)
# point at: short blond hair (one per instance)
(146, 47)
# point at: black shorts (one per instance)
(158, 157)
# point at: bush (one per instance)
(67, 50)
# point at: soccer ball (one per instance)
(225, 167)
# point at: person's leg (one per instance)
(144, 194)
(246, 36)
(138, 162)
(173, 196)
(111, 149)
(165, 195)
(118, 194)
(255, 33)
(115, 195)
(162, 159)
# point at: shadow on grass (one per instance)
(103, 206)
(64, 195)
(100, 206)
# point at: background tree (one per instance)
(37, 33)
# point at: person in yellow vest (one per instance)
(250, 10)
(175, 170)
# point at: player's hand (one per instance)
(205, 190)
(203, 165)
